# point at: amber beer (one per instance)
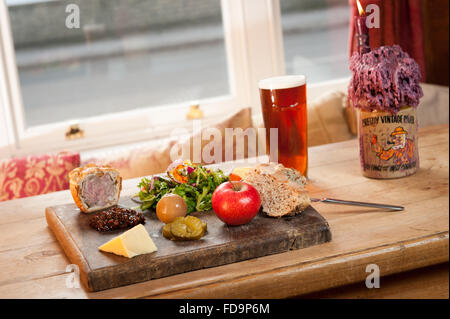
(283, 101)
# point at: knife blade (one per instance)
(354, 203)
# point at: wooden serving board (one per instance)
(221, 244)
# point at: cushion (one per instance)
(36, 174)
(327, 120)
(433, 107)
(205, 138)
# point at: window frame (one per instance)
(7, 130)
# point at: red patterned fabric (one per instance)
(34, 175)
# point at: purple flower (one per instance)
(190, 169)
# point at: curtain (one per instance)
(400, 23)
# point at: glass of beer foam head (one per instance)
(283, 102)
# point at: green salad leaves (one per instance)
(193, 182)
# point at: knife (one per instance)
(353, 203)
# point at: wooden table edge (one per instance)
(317, 275)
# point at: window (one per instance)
(124, 56)
(315, 35)
(133, 68)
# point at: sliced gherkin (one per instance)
(167, 232)
(185, 228)
(179, 230)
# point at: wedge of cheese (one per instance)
(133, 242)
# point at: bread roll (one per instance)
(95, 187)
(282, 190)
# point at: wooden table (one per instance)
(32, 264)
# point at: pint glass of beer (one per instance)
(283, 101)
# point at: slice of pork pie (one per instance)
(95, 187)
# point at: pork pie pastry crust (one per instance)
(95, 187)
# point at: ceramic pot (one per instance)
(388, 143)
